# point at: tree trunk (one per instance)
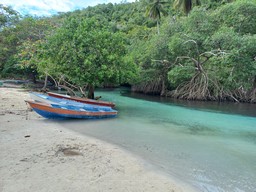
(45, 82)
(254, 83)
(252, 93)
(90, 92)
(163, 87)
(33, 77)
(158, 30)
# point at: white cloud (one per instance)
(47, 7)
(41, 7)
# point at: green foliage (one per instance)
(8, 16)
(155, 8)
(223, 51)
(7, 47)
(238, 67)
(186, 5)
(240, 15)
(88, 53)
(230, 48)
(179, 75)
(19, 45)
(8, 38)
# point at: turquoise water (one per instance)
(207, 147)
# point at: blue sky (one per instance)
(49, 7)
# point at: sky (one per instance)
(50, 7)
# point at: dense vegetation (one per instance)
(198, 50)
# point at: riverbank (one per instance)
(40, 155)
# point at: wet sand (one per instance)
(39, 155)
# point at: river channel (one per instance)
(210, 146)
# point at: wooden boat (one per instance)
(57, 111)
(54, 100)
(82, 100)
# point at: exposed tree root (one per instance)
(252, 93)
(150, 87)
(252, 96)
(201, 87)
(196, 89)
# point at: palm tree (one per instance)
(154, 10)
(186, 4)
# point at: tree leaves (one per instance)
(87, 52)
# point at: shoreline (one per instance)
(40, 155)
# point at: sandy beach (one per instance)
(39, 155)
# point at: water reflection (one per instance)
(246, 109)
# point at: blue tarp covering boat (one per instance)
(53, 100)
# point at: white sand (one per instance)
(40, 155)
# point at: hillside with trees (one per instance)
(196, 50)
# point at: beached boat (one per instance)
(54, 100)
(82, 100)
(58, 111)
